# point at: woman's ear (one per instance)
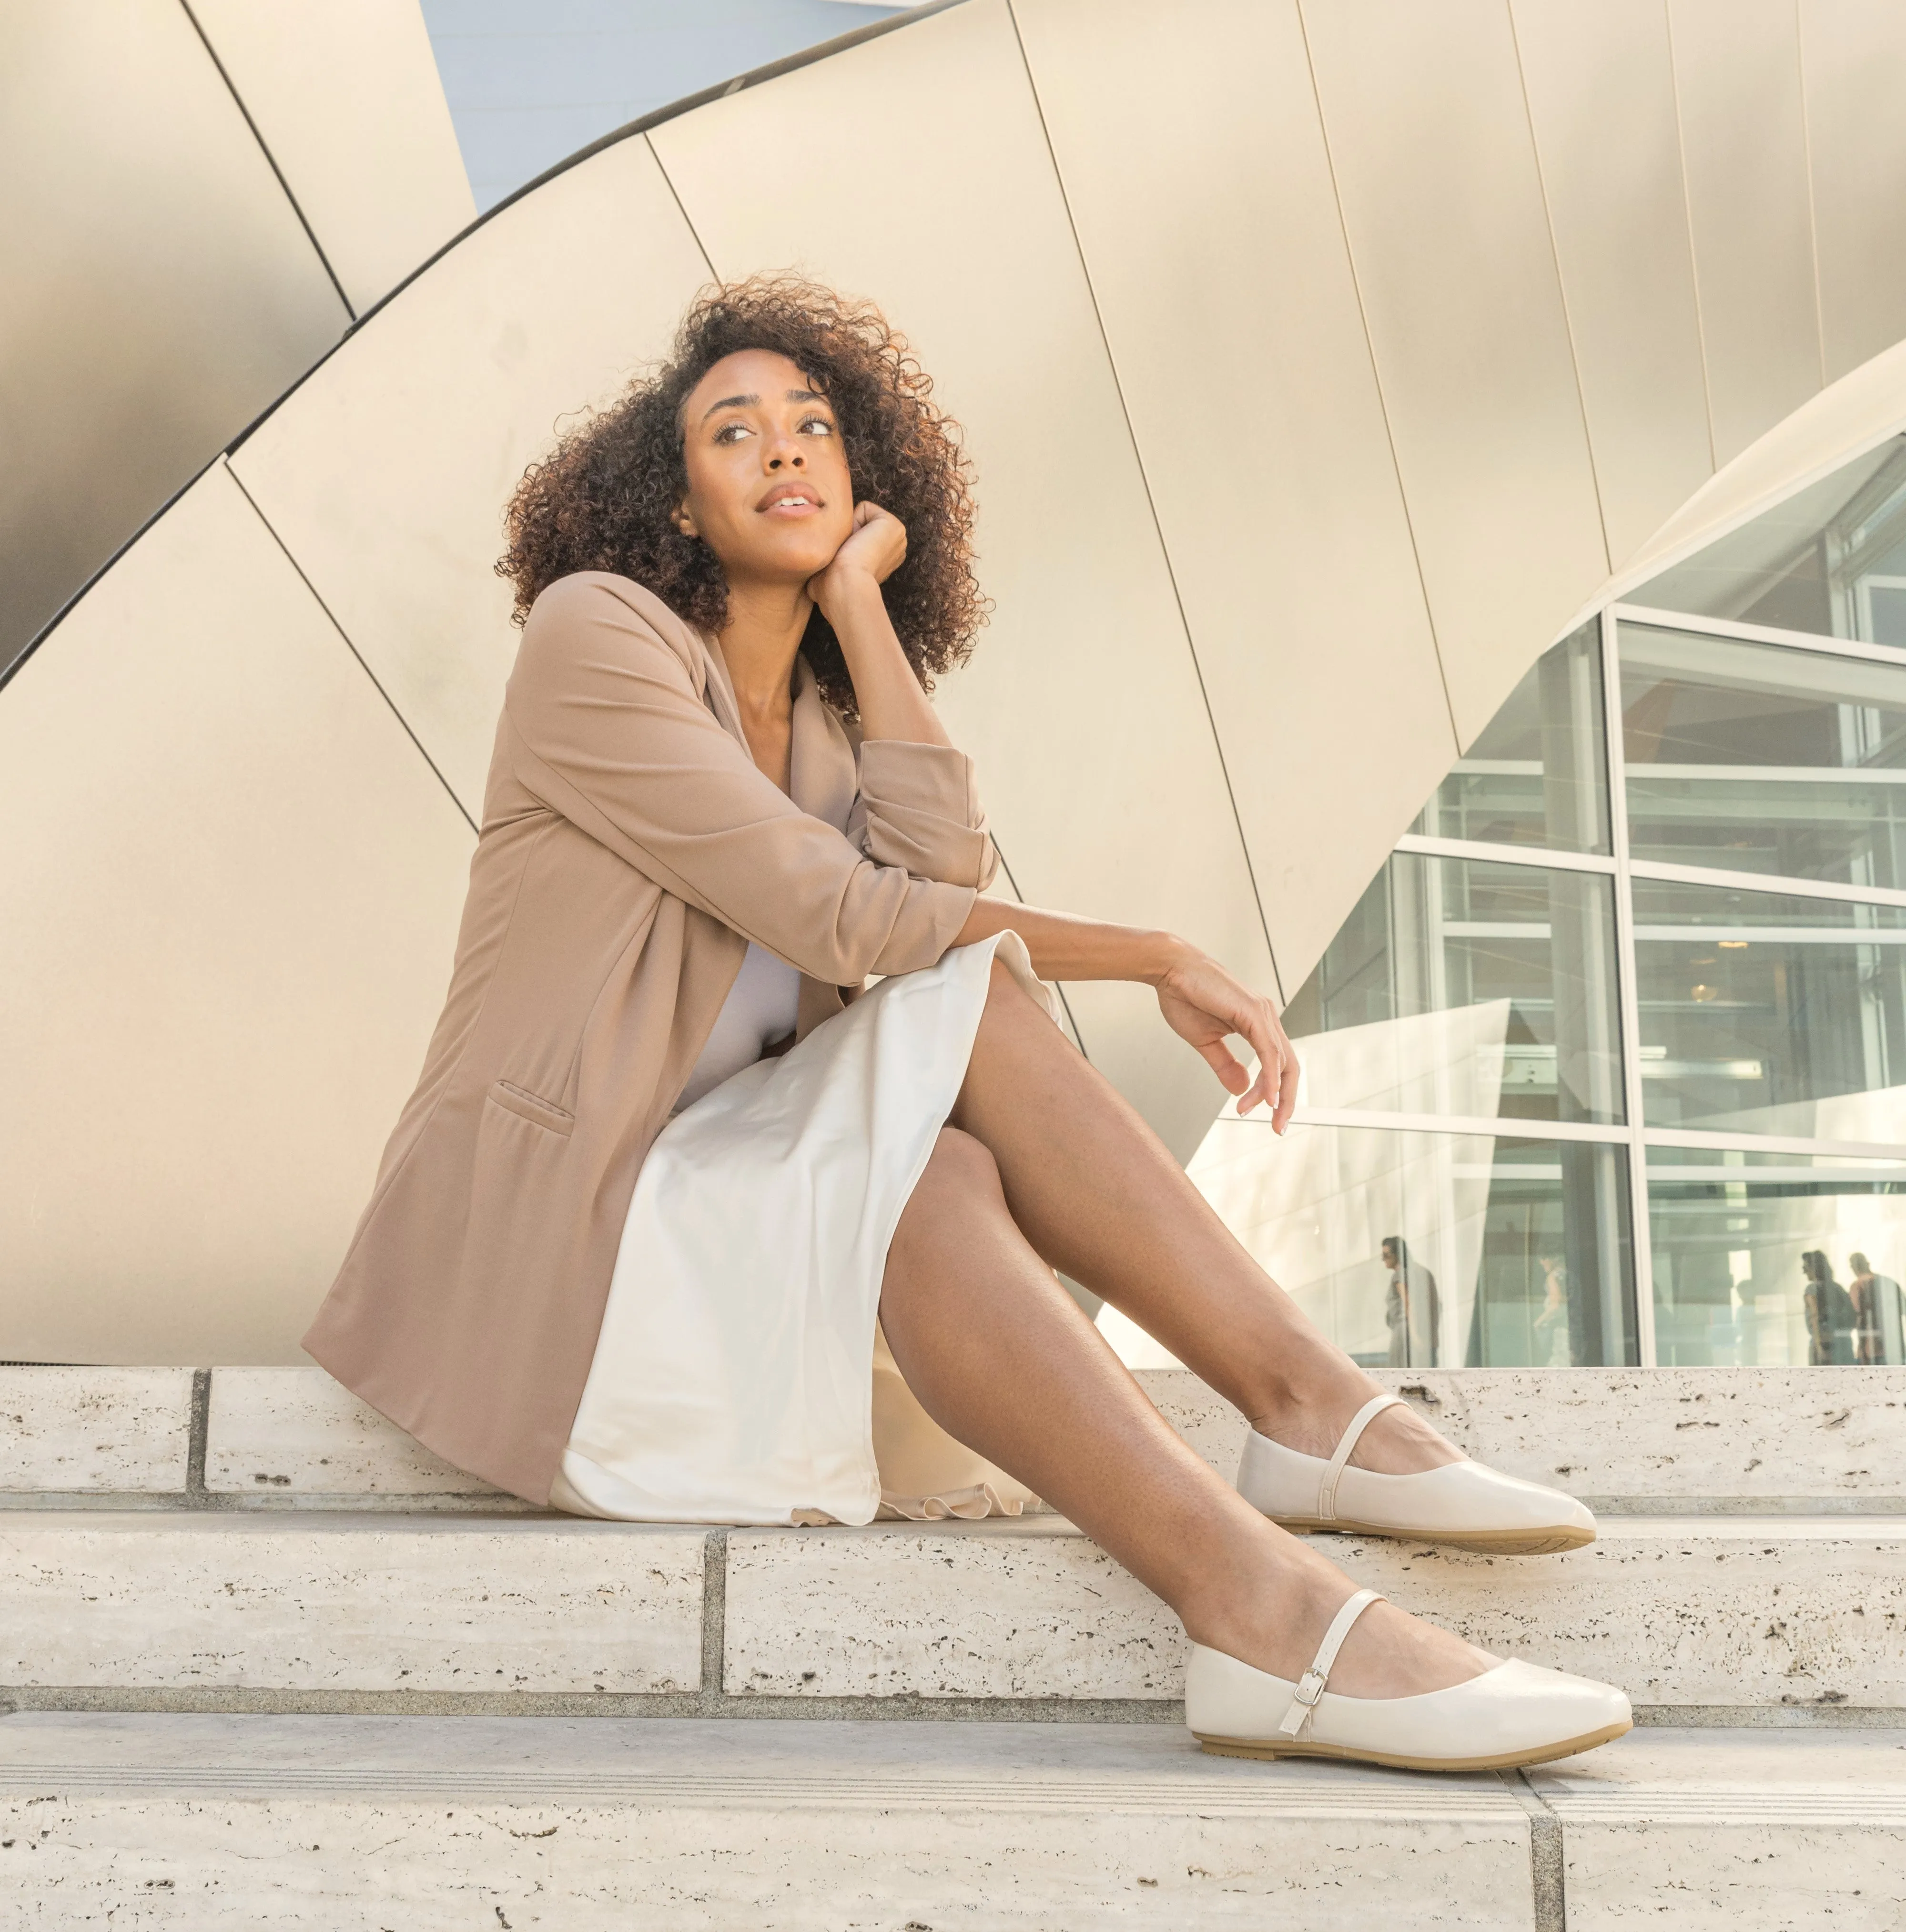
(684, 523)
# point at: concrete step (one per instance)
(356, 1823)
(1717, 1619)
(1662, 1441)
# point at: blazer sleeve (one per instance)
(918, 807)
(609, 730)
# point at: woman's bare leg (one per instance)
(1095, 1193)
(999, 1355)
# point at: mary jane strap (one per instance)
(1326, 1493)
(1304, 1699)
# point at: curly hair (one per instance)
(603, 498)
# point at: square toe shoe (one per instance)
(1515, 1713)
(1464, 1504)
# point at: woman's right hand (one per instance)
(1203, 1003)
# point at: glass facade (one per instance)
(1631, 1086)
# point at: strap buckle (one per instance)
(1308, 1691)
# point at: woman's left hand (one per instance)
(1203, 1003)
(873, 550)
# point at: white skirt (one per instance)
(740, 1377)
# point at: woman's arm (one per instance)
(608, 729)
(1201, 1002)
(886, 687)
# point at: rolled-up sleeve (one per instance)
(608, 729)
(919, 808)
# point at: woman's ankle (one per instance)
(1306, 1406)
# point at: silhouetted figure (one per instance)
(1552, 1349)
(1829, 1310)
(1876, 1321)
(1411, 1307)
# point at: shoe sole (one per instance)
(1503, 1761)
(1482, 1542)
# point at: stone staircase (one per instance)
(270, 1663)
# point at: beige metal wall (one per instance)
(198, 201)
(1317, 361)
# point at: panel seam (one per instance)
(1813, 192)
(1561, 285)
(1694, 251)
(344, 636)
(1151, 501)
(694, 233)
(271, 160)
(1547, 1864)
(1078, 1038)
(1376, 377)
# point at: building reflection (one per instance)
(1608, 1063)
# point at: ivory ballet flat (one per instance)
(1462, 1504)
(1513, 1714)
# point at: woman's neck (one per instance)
(765, 625)
(758, 643)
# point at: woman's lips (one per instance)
(788, 501)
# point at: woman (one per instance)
(1551, 1325)
(626, 1254)
(1412, 1308)
(1828, 1309)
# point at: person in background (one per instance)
(1876, 1312)
(1411, 1307)
(1829, 1308)
(1552, 1323)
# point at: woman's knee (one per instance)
(962, 1165)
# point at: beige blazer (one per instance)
(630, 849)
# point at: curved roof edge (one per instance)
(1843, 421)
(753, 77)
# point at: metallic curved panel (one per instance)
(1424, 113)
(1600, 81)
(1744, 139)
(386, 473)
(230, 890)
(222, 846)
(344, 95)
(1193, 164)
(1853, 55)
(1082, 704)
(159, 290)
(1854, 415)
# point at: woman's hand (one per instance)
(1202, 1003)
(874, 549)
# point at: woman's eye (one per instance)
(732, 432)
(817, 426)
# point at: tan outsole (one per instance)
(1483, 1542)
(1506, 1761)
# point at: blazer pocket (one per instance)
(541, 1113)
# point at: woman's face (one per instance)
(768, 490)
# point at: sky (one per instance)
(529, 82)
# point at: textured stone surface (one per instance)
(1651, 1438)
(348, 1603)
(429, 1824)
(94, 1429)
(1721, 1611)
(1758, 1830)
(1027, 1609)
(1713, 1611)
(1654, 1435)
(296, 1432)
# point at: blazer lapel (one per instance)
(718, 694)
(822, 780)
